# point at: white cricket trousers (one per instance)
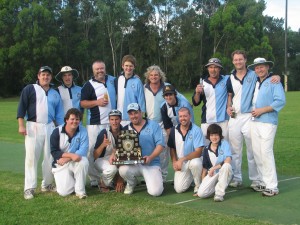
(191, 171)
(223, 125)
(93, 131)
(164, 157)
(217, 183)
(239, 128)
(152, 176)
(71, 177)
(106, 170)
(263, 135)
(37, 141)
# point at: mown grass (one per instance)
(115, 208)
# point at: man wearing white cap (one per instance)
(213, 93)
(152, 143)
(42, 107)
(69, 92)
(268, 100)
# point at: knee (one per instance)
(156, 192)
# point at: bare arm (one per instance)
(22, 129)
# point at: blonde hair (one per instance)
(162, 75)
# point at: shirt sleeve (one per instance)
(54, 145)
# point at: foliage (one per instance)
(179, 36)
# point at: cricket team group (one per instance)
(236, 108)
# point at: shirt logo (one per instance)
(249, 80)
(111, 82)
(133, 86)
(266, 84)
(190, 136)
(77, 140)
(147, 130)
(221, 152)
(78, 95)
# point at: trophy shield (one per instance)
(128, 150)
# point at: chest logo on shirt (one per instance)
(77, 140)
(222, 84)
(111, 82)
(147, 130)
(190, 136)
(78, 95)
(249, 80)
(133, 86)
(266, 84)
(221, 152)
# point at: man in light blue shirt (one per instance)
(268, 100)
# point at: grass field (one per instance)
(241, 206)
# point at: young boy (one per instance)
(217, 171)
(130, 88)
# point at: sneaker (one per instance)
(218, 198)
(81, 196)
(94, 183)
(270, 193)
(259, 188)
(29, 194)
(49, 188)
(254, 184)
(235, 184)
(129, 189)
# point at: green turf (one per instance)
(241, 206)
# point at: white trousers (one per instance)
(164, 157)
(71, 177)
(93, 131)
(106, 170)
(37, 141)
(223, 125)
(263, 135)
(239, 129)
(217, 183)
(191, 171)
(152, 176)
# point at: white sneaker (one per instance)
(81, 196)
(129, 189)
(235, 184)
(29, 194)
(218, 198)
(270, 193)
(49, 188)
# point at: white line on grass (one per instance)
(197, 198)
(293, 178)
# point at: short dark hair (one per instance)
(239, 52)
(182, 109)
(214, 129)
(73, 111)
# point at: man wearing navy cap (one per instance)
(152, 143)
(42, 107)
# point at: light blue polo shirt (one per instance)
(269, 94)
(192, 140)
(150, 136)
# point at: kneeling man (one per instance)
(186, 142)
(69, 146)
(151, 141)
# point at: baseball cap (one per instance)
(66, 69)
(259, 61)
(133, 106)
(115, 112)
(169, 89)
(45, 68)
(214, 61)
